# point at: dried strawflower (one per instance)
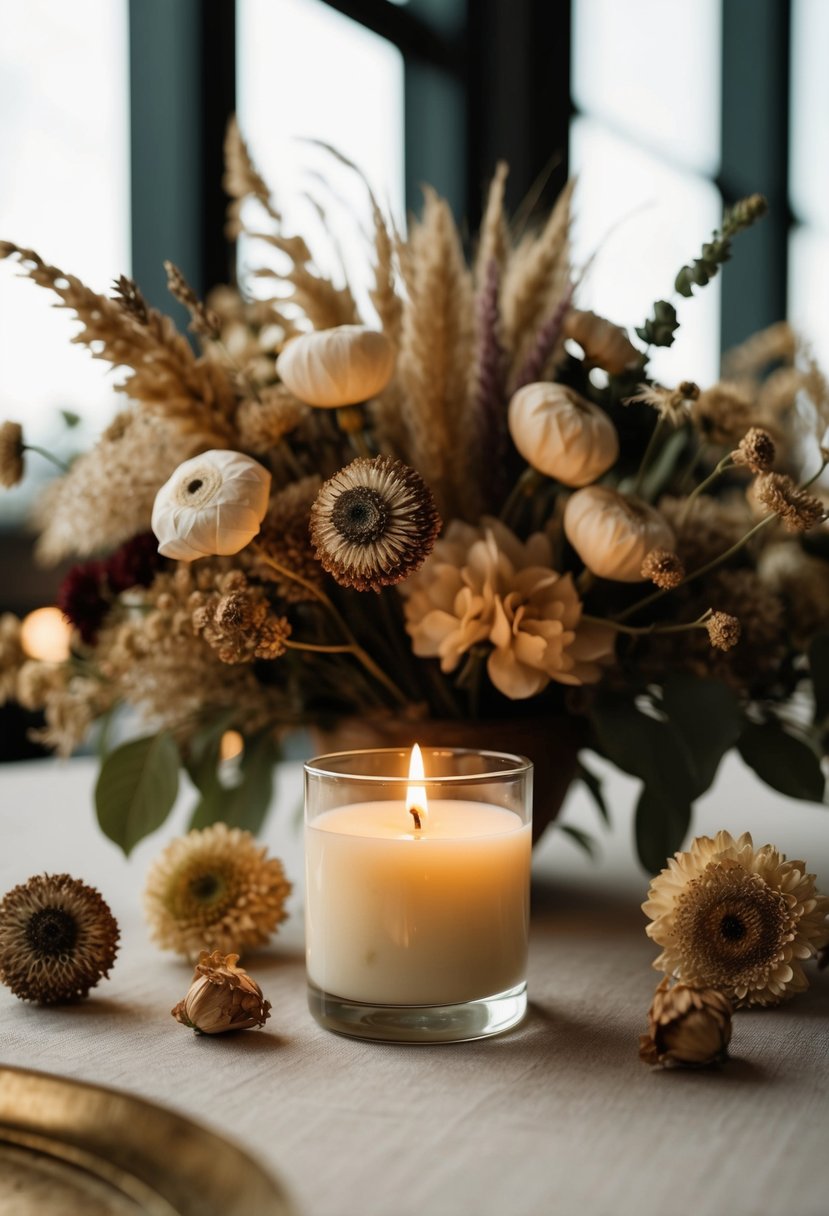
(212, 504)
(722, 412)
(798, 510)
(736, 918)
(561, 434)
(483, 586)
(215, 889)
(11, 454)
(605, 344)
(755, 450)
(664, 568)
(83, 600)
(58, 938)
(613, 534)
(222, 997)
(687, 1026)
(373, 523)
(672, 404)
(340, 366)
(723, 630)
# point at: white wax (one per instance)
(398, 917)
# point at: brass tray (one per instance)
(68, 1148)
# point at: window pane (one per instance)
(64, 165)
(809, 118)
(663, 216)
(809, 288)
(651, 69)
(333, 80)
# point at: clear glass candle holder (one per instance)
(417, 893)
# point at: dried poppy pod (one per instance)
(212, 504)
(337, 367)
(222, 997)
(562, 434)
(687, 1026)
(604, 344)
(612, 534)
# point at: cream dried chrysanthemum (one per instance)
(58, 938)
(373, 523)
(215, 889)
(798, 510)
(11, 454)
(736, 918)
(483, 586)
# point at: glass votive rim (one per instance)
(510, 766)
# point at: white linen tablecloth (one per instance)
(558, 1116)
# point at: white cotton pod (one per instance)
(337, 367)
(212, 505)
(613, 534)
(561, 434)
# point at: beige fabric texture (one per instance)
(558, 1116)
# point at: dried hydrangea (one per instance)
(222, 997)
(11, 454)
(736, 918)
(483, 586)
(237, 621)
(215, 889)
(373, 523)
(58, 938)
(689, 1027)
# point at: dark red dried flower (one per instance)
(82, 599)
(135, 564)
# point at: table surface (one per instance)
(558, 1116)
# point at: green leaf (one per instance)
(70, 419)
(819, 669)
(594, 786)
(662, 469)
(660, 827)
(204, 751)
(136, 788)
(583, 839)
(246, 804)
(707, 716)
(645, 747)
(784, 761)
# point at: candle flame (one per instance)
(416, 803)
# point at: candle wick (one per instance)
(415, 813)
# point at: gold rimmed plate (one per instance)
(66, 1146)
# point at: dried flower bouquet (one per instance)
(469, 502)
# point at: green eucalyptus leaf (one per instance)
(595, 788)
(646, 747)
(784, 761)
(136, 788)
(583, 839)
(204, 750)
(707, 715)
(245, 804)
(660, 826)
(819, 669)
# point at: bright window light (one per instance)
(64, 165)
(306, 72)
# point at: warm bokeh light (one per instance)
(416, 803)
(232, 745)
(45, 634)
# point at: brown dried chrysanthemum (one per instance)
(736, 918)
(798, 510)
(663, 568)
(374, 523)
(724, 630)
(690, 1027)
(11, 454)
(58, 938)
(672, 404)
(755, 450)
(222, 997)
(215, 889)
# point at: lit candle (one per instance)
(416, 900)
